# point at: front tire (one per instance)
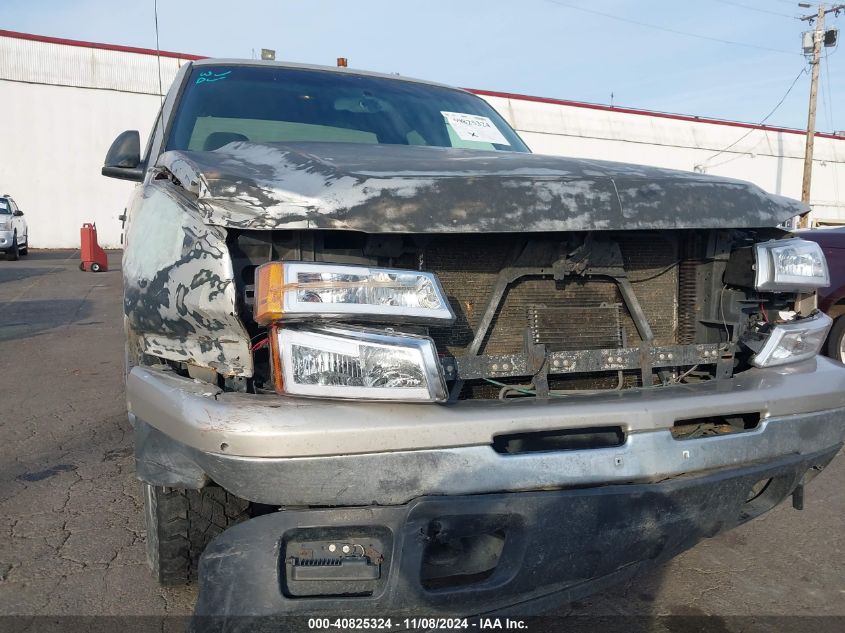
(836, 340)
(14, 253)
(180, 523)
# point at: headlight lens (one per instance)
(303, 290)
(5, 225)
(790, 265)
(793, 342)
(356, 363)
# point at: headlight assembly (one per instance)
(289, 291)
(792, 342)
(791, 265)
(335, 362)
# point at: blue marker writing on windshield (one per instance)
(210, 75)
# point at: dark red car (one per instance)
(832, 299)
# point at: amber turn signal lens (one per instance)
(269, 282)
(276, 361)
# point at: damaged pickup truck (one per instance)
(381, 358)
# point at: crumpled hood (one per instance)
(412, 189)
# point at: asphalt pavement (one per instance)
(71, 529)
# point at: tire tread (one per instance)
(185, 522)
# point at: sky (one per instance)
(659, 55)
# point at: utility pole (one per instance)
(818, 35)
(818, 41)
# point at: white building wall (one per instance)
(84, 67)
(54, 141)
(62, 105)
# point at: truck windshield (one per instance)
(264, 104)
(4, 206)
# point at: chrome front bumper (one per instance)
(284, 451)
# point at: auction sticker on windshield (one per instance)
(472, 127)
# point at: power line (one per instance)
(750, 8)
(668, 30)
(826, 88)
(765, 118)
(829, 112)
(158, 53)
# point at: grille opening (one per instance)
(554, 311)
(458, 561)
(577, 384)
(669, 270)
(694, 428)
(563, 440)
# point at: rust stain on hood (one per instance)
(413, 189)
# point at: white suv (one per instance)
(14, 235)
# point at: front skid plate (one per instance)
(559, 545)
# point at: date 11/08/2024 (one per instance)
(421, 623)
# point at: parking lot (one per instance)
(70, 508)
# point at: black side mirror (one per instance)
(18, 213)
(123, 160)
